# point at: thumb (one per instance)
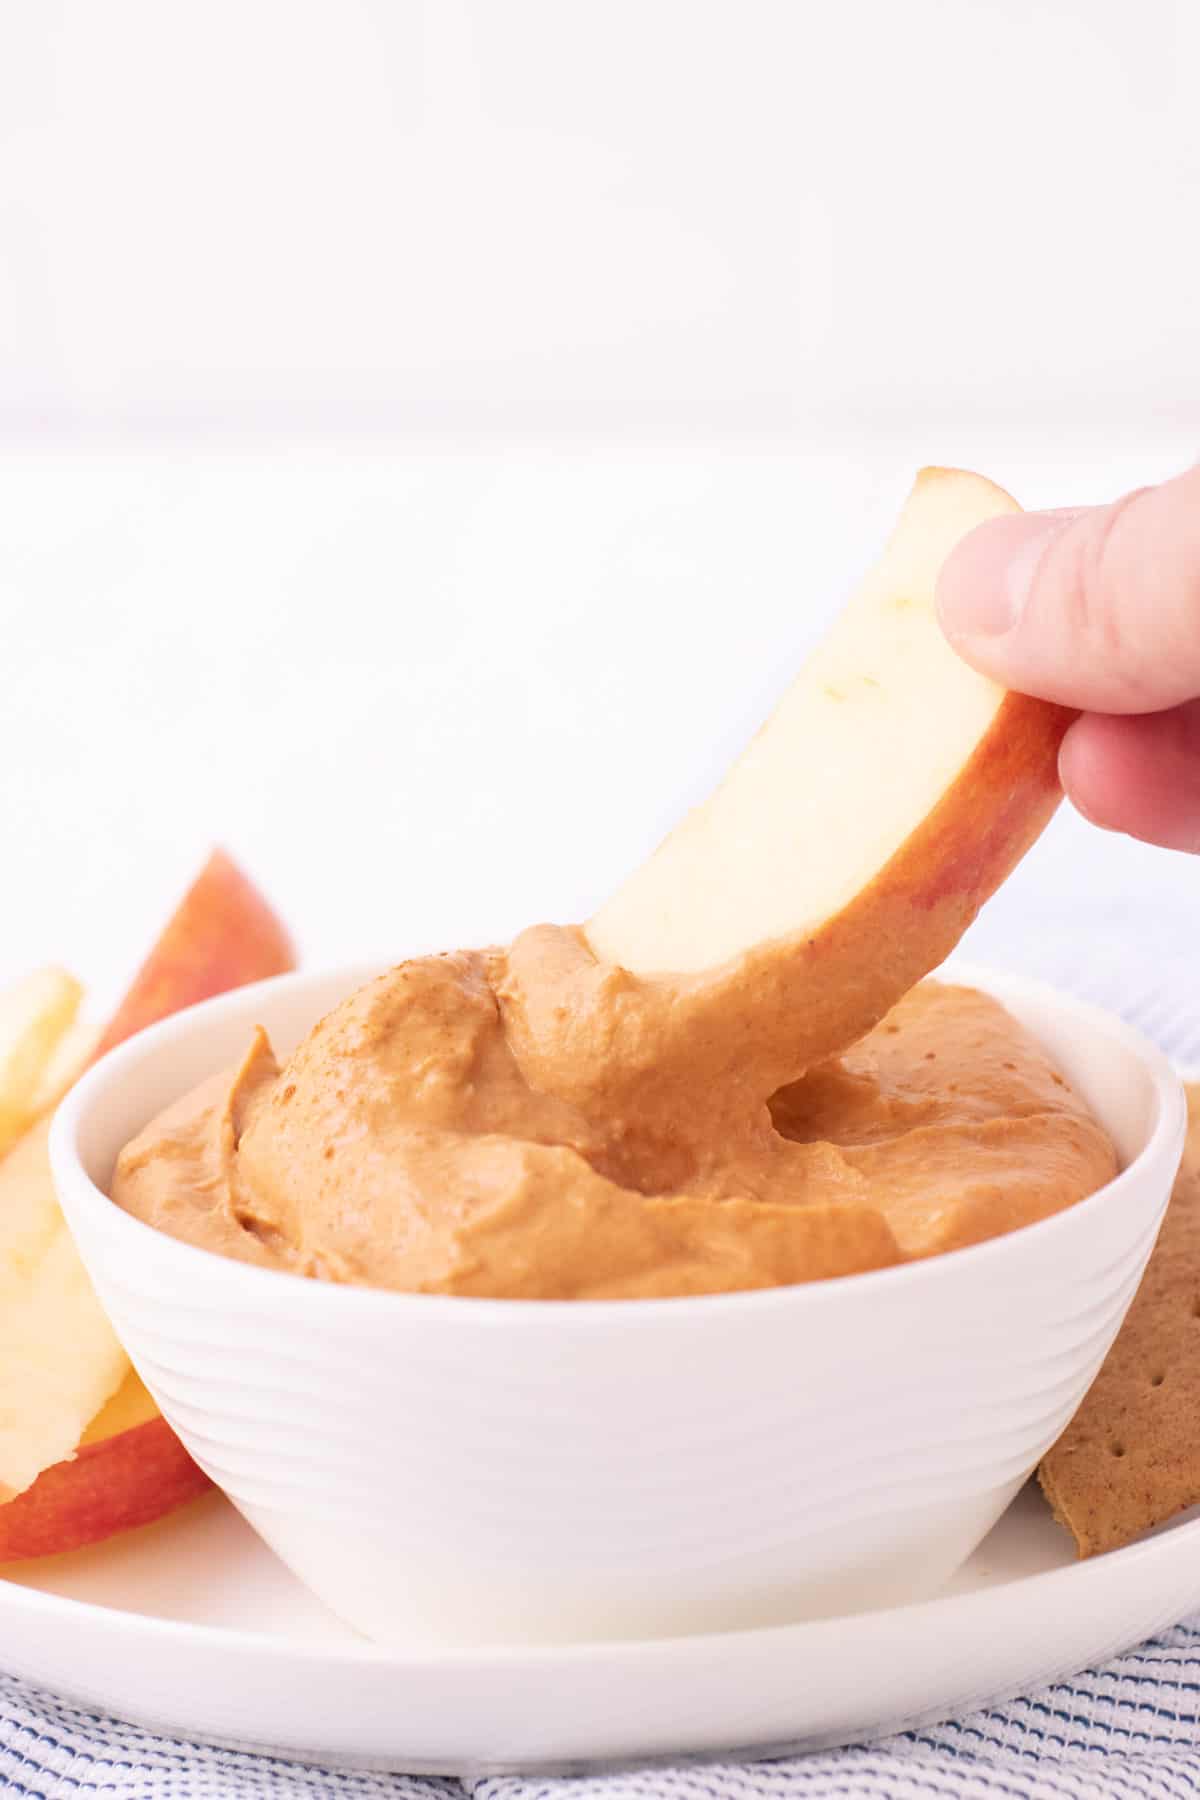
(1097, 608)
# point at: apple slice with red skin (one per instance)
(129, 1470)
(222, 935)
(890, 793)
(130, 1467)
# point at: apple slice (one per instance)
(74, 1052)
(60, 1362)
(35, 1016)
(129, 1469)
(887, 797)
(222, 935)
(59, 1359)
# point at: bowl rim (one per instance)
(112, 1070)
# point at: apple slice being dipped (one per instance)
(887, 797)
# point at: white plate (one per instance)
(193, 1626)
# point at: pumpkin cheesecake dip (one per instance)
(491, 1123)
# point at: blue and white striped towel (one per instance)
(1130, 1729)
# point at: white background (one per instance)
(624, 216)
(429, 434)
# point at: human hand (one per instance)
(1099, 608)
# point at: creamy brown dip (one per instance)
(531, 1123)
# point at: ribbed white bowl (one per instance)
(460, 1471)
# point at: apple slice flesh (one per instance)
(35, 1017)
(889, 794)
(74, 1052)
(132, 1404)
(59, 1358)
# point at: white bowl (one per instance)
(459, 1471)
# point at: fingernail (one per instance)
(986, 583)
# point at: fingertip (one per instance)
(1137, 774)
(974, 596)
(1088, 759)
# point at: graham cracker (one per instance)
(1130, 1458)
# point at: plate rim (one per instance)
(948, 1618)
